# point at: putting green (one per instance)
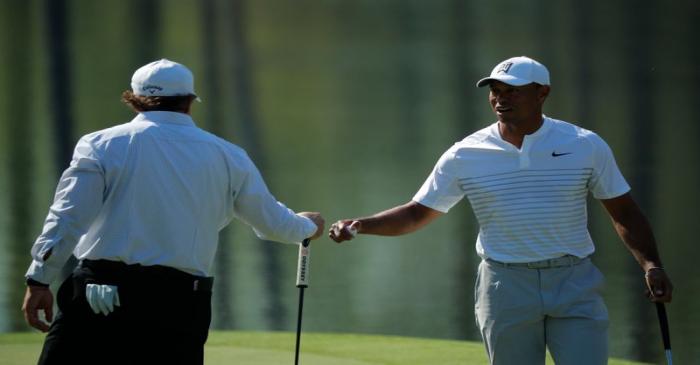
(266, 348)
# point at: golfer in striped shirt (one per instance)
(527, 177)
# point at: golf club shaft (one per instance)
(665, 333)
(301, 307)
(302, 282)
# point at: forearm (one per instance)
(397, 221)
(269, 218)
(276, 222)
(636, 233)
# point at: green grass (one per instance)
(251, 348)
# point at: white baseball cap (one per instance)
(163, 78)
(518, 71)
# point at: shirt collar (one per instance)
(165, 117)
(542, 130)
(546, 124)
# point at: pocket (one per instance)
(202, 315)
(476, 286)
(600, 283)
(487, 293)
(64, 296)
(81, 277)
(587, 278)
(584, 293)
(476, 294)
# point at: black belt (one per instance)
(116, 272)
(563, 261)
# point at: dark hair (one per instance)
(140, 103)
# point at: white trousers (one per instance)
(522, 311)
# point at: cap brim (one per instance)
(506, 79)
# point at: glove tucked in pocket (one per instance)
(102, 298)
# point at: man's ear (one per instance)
(543, 92)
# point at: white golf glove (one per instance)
(102, 298)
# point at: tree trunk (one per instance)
(16, 21)
(214, 119)
(641, 122)
(250, 137)
(60, 93)
(462, 38)
(145, 43)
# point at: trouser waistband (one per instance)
(563, 261)
(116, 271)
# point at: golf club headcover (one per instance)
(102, 298)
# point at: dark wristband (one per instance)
(32, 282)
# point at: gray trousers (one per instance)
(521, 311)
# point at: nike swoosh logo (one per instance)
(554, 154)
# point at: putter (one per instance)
(665, 333)
(302, 282)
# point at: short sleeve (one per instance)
(607, 181)
(441, 190)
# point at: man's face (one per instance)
(513, 104)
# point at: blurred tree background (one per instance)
(345, 105)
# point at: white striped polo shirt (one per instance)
(530, 202)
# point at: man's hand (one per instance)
(344, 230)
(659, 287)
(318, 221)
(38, 298)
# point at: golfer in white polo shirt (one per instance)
(141, 207)
(527, 177)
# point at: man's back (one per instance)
(168, 185)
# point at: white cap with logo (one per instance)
(163, 78)
(518, 71)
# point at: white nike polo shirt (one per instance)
(530, 202)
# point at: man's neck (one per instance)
(514, 133)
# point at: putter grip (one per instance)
(303, 264)
(663, 323)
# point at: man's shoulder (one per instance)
(127, 133)
(477, 137)
(480, 139)
(227, 145)
(578, 134)
(570, 128)
(472, 146)
(103, 135)
(234, 153)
